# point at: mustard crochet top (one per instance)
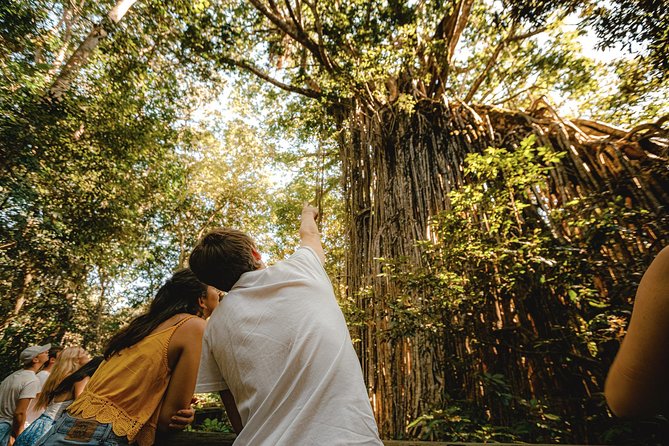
(127, 390)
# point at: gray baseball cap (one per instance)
(29, 353)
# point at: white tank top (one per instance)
(54, 410)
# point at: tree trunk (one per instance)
(26, 279)
(100, 307)
(80, 56)
(398, 170)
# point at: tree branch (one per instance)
(211, 217)
(266, 77)
(528, 34)
(298, 25)
(493, 59)
(449, 30)
(278, 21)
(460, 25)
(274, 7)
(491, 63)
(332, 65)
(329, 65)
(601, 127)
(514, 95)
(299, 37)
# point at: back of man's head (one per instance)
(221, 256)
(53, 354)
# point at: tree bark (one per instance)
(398, 171)
(27, 278)
(81, 55)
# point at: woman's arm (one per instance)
(183, 355)
(79, 386)
(636, 383)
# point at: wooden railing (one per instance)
(198, 439)
(223, 439)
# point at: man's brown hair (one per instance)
(221, 256)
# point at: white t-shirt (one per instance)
(279, 342)
(54, 410)
(33, 414)
(20, 384)
(42, 375)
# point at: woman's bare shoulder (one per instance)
(193, 326)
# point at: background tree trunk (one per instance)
(80, 56)
(26, 278)
(398, 170)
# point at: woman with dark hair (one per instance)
(148, 375)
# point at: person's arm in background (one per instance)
(79, 386)
(210, 380)
(309, 235)
(636, 383)
(231, 410)
(20, 416)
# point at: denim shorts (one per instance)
(68, 430)
(5, 432)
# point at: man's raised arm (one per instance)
(309, 235)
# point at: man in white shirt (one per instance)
(278, 348)
(42, 375)
(17, 390)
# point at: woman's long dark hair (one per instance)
(67, 384)
(180, 294)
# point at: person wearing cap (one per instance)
(18, 389)
(42, 375)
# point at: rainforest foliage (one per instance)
(492, 191)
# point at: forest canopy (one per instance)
(492, 188)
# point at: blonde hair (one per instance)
(67, 363)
